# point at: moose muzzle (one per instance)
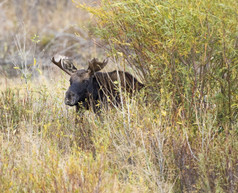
(71, 98)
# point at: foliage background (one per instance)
(179, 135)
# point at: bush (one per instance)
(186, 51)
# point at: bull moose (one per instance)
(92, 88)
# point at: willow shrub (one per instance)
(185, 51)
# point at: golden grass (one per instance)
(133, 149)
(42, 149)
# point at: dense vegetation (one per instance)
(178, 135)
(185, 49)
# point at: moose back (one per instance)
(91, 88)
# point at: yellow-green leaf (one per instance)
(34, 62)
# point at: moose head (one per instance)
(81, 81)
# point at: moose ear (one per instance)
(94, 65)
(64, 64)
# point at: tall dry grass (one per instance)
(42, 149)
(134, 149)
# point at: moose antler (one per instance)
(94, 65)
(64, 64)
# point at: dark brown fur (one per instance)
(91, 88)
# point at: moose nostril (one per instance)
(67, 100)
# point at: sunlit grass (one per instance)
(131, 150)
